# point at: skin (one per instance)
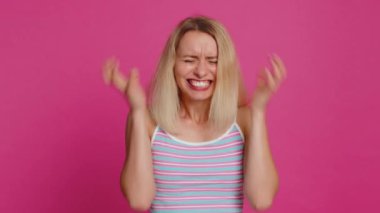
(196, 60)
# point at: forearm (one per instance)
(137, 176)
(260, 175)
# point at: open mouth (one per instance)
(199, 85)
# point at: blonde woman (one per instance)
(195, 146)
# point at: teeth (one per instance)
(200, 83)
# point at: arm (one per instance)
(260, 175)
(137, 181)
(261, 178)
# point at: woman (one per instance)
(185, 150)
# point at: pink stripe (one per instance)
(200, 189)
(198, 181)
(232, 134)
(198, 165)
(163, 134)
(198, 174)
(199, 198)
(165, 144)
(198, 206)
(196, 157)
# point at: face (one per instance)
(195, 66)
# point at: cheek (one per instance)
(214, 72)
(178, 75)
(213, 68)
(177, 71)
(181, 70)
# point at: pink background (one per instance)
(62, 129)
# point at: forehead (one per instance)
(196, 42)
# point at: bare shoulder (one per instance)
(244, 119)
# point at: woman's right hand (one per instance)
(129, 87)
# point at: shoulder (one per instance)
(244, 119)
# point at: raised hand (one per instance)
(268, 83)
(129, 87)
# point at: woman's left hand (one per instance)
(268, 83)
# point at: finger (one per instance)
(120, 81)
(106, 77)
(107, 73)
(134, 76)
(109, 64)
(134, 73)
(281, 65)
(111, 72)
(133, 80)
(277, 73)
(112, 63)
(270, 79)
(116, 64)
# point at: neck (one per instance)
(195, 111)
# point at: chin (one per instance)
(197, 97)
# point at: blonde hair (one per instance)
(165, 101)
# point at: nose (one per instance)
(201, 69)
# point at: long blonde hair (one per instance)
(165, 101)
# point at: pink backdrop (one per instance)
(62, 129)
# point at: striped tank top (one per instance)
(198, 176)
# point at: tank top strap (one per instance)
(237, 126)
(154, 135)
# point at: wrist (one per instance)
(138, 110)
(258, 110)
